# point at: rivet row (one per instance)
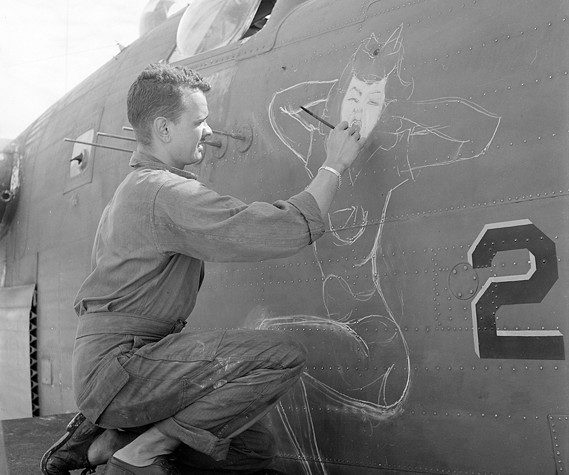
(459, 207)
(484, 44)
(487, 367)
(491, 415)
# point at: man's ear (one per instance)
(161, 129)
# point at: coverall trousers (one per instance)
(209, 390)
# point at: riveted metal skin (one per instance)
(559, 427)
(434, 308)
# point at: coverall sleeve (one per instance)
(191, 219)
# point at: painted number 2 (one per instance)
(531, 287)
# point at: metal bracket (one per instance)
(220, 147)
(243, 135)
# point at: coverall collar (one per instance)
(144, 160)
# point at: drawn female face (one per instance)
(363, 104)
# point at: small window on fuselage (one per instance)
(80, 162)
(80, 155)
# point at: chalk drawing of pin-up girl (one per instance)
(362, 317)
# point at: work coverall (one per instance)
(132, 367)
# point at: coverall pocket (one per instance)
(180, 347)
(101, 389)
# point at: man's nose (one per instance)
(206, 131)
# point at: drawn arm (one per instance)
(451, 129)
(294, 127)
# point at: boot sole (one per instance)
(70, 430)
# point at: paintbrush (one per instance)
(317, 117)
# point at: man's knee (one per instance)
(274, 349)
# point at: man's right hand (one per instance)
(342, 146)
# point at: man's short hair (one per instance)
(158, 92)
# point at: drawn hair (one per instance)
(158, 92)
(372, 62)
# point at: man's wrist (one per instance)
(336, 166)
(333, 171)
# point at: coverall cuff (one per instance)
(196, 438)
(308, 207)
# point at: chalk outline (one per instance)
(400, 134)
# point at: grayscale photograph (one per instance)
(284, 237)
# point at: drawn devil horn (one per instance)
(393, 43)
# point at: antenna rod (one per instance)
(229, 134)
(98, 145)
(217, 143)
(213, 144)
(104, 134)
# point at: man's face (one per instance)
(363, 104)
(191, 128)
